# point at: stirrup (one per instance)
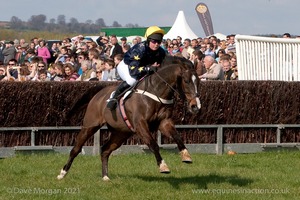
(112, 103)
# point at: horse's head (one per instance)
(187, 84)
(176, 75)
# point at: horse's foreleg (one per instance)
(144, 133)
(82, 137)
(168, 129)
(115, 141)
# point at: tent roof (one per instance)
(180, 28)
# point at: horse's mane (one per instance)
(184, 63)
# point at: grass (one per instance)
(268, 175)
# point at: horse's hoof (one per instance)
(185, 156)
(105, 178)
(163, 168)
(62, 174)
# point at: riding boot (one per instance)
(112, 102)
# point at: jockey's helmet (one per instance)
(155, 33)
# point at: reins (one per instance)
(170, 86)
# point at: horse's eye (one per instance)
(186, 80)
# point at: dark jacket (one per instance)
(140, 57)
(117, 50)
(9, 53)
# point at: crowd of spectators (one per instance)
(213, 59)
(83, 59)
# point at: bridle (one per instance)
(181, 94)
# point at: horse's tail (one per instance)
(81, 104)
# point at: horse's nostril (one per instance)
(194, 108)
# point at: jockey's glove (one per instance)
(151, 69)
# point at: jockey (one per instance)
(140, 60)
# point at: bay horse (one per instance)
(148, 109)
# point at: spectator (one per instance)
(70, 73)
(43, 51)
(87, 71)
(2, 73)
(179, 41)
(231, 44)
(90, 43)
(81, 56)
(98, 77)
(22, 54)
(34, 67)
(110, 71)
(9, 51)
(30, 55)
(58, 72)
(138, 39)
(35, 44)
(220, 53)
(32, 47)
(42, 76)
(202, 47)
(116, 48)
(187, 49)
(105, 46)
(94, 57)
(233, 61)
(286, 35)
(12, 69)
(170, 48)
(197, 57)
(210, 50)
(54, 51)
(41, 65)
(118, 58)
(51, 71)
(216, 45)
(134, 42)
(23, 42)
(175, 50)
(235, 75)
(214, 71)
(195, 44)
(2, 46)
(83, 47)
(62, 56)
(226, 66)
(124, 44)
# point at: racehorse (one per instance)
(148, 108)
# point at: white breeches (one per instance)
(123, 71)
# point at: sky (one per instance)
(247, 17)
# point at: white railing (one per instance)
(267, 58)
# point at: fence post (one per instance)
(278, 135)
(32, 137)
(96, 147)
(219, 145)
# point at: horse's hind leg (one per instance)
(167, 128)
(115, 141)
(84, 134)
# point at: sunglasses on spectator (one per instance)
(98, 72)
(11, 64)
(155, 41)
(80, 57)
(41, 66)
